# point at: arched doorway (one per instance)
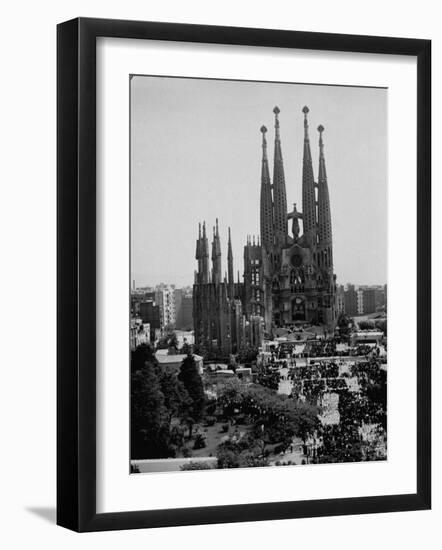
(298, 308)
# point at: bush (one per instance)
(200, 442)
(196, 466)
(187, 453)
(228, 458)
(224, 428)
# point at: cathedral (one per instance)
(288, 278)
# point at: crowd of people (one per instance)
(360, 407)
(320, 348)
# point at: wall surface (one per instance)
(27, 219)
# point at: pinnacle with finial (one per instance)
(276, 111)
(320, 130)
(264, 142)
(305, 110)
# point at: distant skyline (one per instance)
(196, 155)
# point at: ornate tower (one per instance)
(204, 247)
(230, 261)
(308, 184)
(279, 192)
(198, 256)
(324, 215)
(266, 213)
(216, 256)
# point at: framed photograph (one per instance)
(244, 255)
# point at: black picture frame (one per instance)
(76, 274)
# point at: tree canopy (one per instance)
(149, 415)
(192, 382)
(169, 341)
(276, 418)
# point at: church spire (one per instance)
(324, 215)
(230, 260)
(198, 253)
(322, 174)
(308, 183)
(279, 192)
(204, 248)
(216, 255)
(266, 207)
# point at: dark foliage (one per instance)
(191, 379)
(149, 416)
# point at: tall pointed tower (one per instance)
(324, 215)
(204, 247)
(279, 192)
(216, 256)
(230, 261)
(266, 212)
(198, 256)
(308, 184)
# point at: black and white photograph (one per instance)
(258, 330)
(218, 255)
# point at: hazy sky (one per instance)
(196, 155)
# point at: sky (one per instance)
(196, 155)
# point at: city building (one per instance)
(351, 301)
(366, 300)
(288, 279)
(139, 333)
(184, 316)
(165, 299)
(340, 299)
(362, 299)
(178, 294)
(150, 313)
(172, 362)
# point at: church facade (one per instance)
(288, 277)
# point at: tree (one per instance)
(244, 452)
(247, 355)
(381, 324)
(345, 324)
(193, 383)
(150, 420)
(276, 418)
(186, 349)
(143, 354)
(169, 341)
(176, 397)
